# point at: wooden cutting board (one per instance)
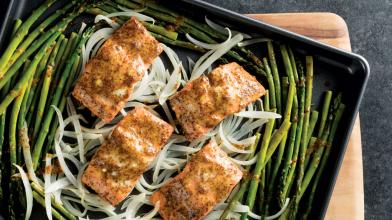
(348, 197)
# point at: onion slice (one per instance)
(47, 173)
(219, 28)
(224, 48)
(253, 41)
(28, 191)
(112, 23)
(140, 17)
(208, 46)
(258, 114)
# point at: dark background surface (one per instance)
(370, 27)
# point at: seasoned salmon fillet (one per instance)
(123, 158)
(207, 179)
(206, 101)
(108, 79)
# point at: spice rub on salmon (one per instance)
(108, 79)
(207, 179)
(123, 158)
(205, 102)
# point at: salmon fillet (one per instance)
(108, 79)
(205, 102)
(206, 180)
(123, 158)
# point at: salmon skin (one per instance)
(207, 179)
(108, 79)
(205, 102)
(123, 158)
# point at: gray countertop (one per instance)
(370, 27)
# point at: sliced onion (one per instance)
(97, 46)
(58, 151)
(73, 210)
(112, 23)
(144, 183)
(191, 64)
(100, 35)
(141, 189)
(58, 184)
(245, 142)
(85, 135)
(152, 213)
(47, 173)
(222, 30)
(142, 87)
(245, 162)
(27, 153)
(228, 145)
(136, 201)
(82, 27)
(258, 114)
(28, 191)
(123, 112)
(160, 158)
(208, 46)
(169, 116)
(172, 85)
(201, 60)
(224, 48)
(286, 204)
(253, 41)
(188, 150)
(140, 17)
(78, 131)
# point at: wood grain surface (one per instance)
(348, 197)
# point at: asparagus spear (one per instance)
(17, 24)
(35, 33)
(13, 123)
(287, 63)
(271, 85)
(53, 127)
(38, 198)
(289, 181)
(260, 159)
(275, 74)
(60, 27)
(13, 198)
(293, 64)
(320, 145)
(289, 158)
(279, 156)
(177, 43)
(59, 207)
(45, 86)
(312, 124)
(243, 185)
(172, 35)
(56, 100)
(285, 90)
(324, 159)
(25, 77)
(303, 146)
(324, 112)
(36, 86)
(21, 33)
